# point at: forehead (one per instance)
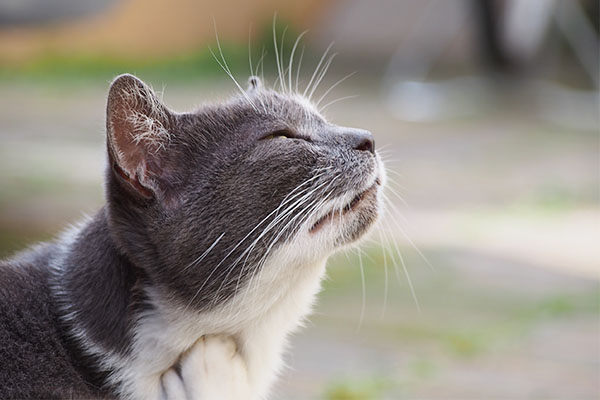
(293, 103)
(260, 110)
(292, 109)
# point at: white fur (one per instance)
(259, 322)
(212, 369)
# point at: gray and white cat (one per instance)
(208, 253)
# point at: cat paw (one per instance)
(211, 369)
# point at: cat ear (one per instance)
(254, 83)
(138, 130)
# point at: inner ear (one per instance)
(138, 132)
(133, 182)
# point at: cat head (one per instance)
(201, 200)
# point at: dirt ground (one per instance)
(504, 208)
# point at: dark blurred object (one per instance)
(490, 33)
(27, 12)
(538, 30)
(523, 43)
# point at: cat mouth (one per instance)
(348, 208)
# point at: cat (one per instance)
(208, 253)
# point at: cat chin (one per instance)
(347, 219)
(365, 213)
(354, 231)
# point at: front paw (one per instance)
(211, 369)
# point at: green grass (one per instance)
(462, 319)
(372, 387)
(194, 64)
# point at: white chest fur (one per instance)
(259, 318)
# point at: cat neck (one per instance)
(97, 289)
(113, 313)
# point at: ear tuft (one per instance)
(254, 83)
(138, 127)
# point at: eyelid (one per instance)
(283, 134)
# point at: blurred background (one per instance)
(487, 113)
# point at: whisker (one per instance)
(299, 65)
(322, 74)
(324, 199)
(258, 271)
(272, 224)
(385, 271)
(250, 49)
(401, 189)
(260, 63)
(256, 276)
(203, 255)
(276, 47)
(363, 305)
(406, 274)
(393, 171)
(385, 146)
(391, 190)
(305, 193)
(282, 80)
(225, 67)
(337, 100)
(388, 248)
(396, 176)
(393, 217)
(317, 68)
(292, 59)
(289, 210)
(333, 87)
(247, 235)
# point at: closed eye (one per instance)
(284, 134)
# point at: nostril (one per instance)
(366, 144)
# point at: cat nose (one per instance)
(362, 141)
